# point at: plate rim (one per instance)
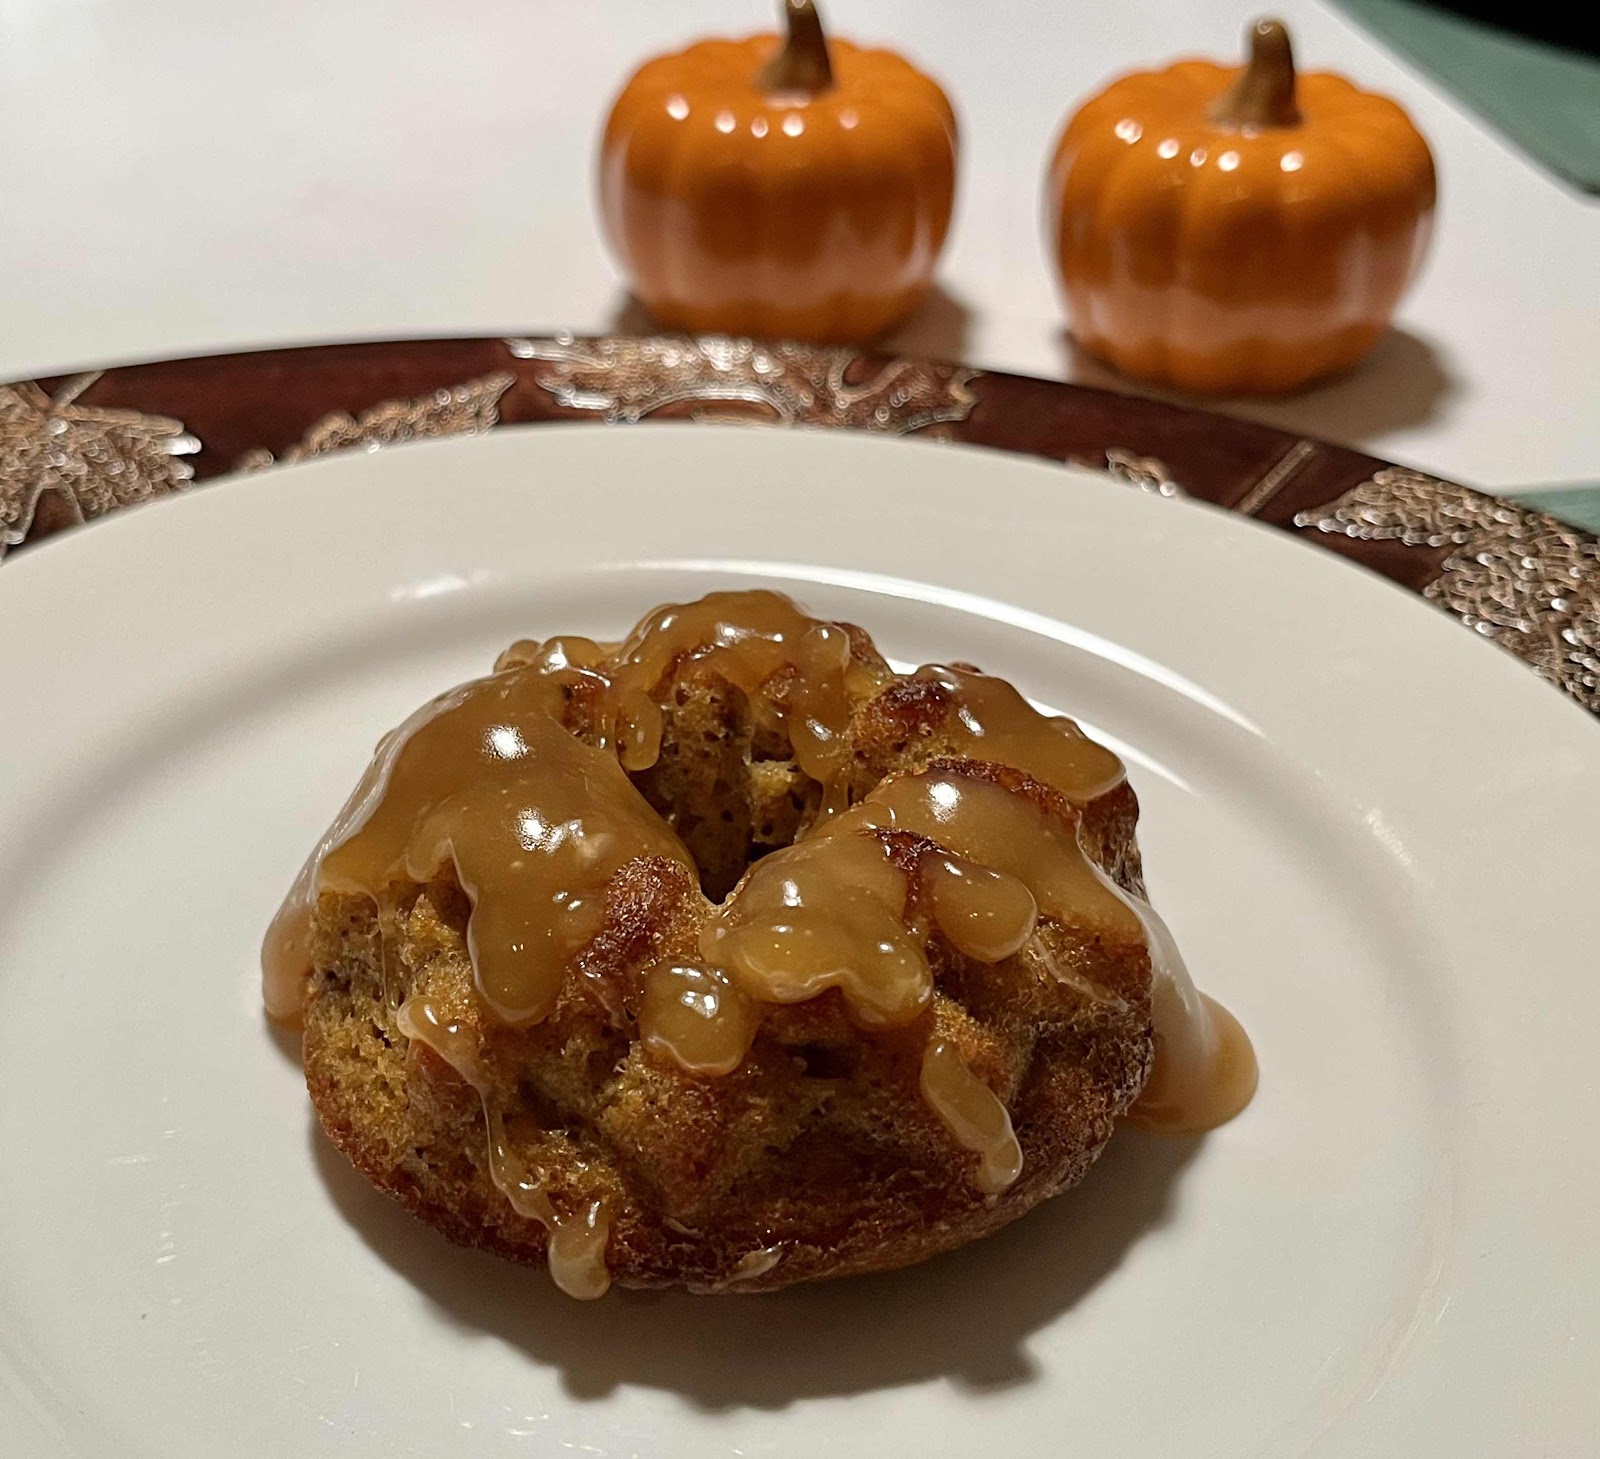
(1498, 567)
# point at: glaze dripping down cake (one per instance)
(725, 957)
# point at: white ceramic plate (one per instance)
(1377, 838)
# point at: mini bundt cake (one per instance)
(726, 957)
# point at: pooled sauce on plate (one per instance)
(489, 785)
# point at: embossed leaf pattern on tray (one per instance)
(93, 459)
(1147, 473)
(627, 380)
(452, 410)
(1522, 578)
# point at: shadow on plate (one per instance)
(938, 329)
(966, 1316)
(285, 1040)
(1403, 383)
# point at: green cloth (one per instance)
(1545, 99)
(1579, 505)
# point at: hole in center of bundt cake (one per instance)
(725, 782)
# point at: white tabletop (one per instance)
(179, 176)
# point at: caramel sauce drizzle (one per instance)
(751, 639)
(987, 914)
(973, 1114)
(489, 783)
(831, 912)
(697, 1018)
(994, 722)
(533, 822)
(286, 955)
(751, 1265)
(1205, 1069)
(824, 913)
(1007, 834)
(421, 1022)
(575, 1252)
(748, 638)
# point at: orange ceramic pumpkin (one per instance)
(1237, 230)
(799, 187)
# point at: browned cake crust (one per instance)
(819, 1144)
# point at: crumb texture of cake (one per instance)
(725, 957)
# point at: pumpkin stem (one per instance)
(1263, 94)
(801, 63)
